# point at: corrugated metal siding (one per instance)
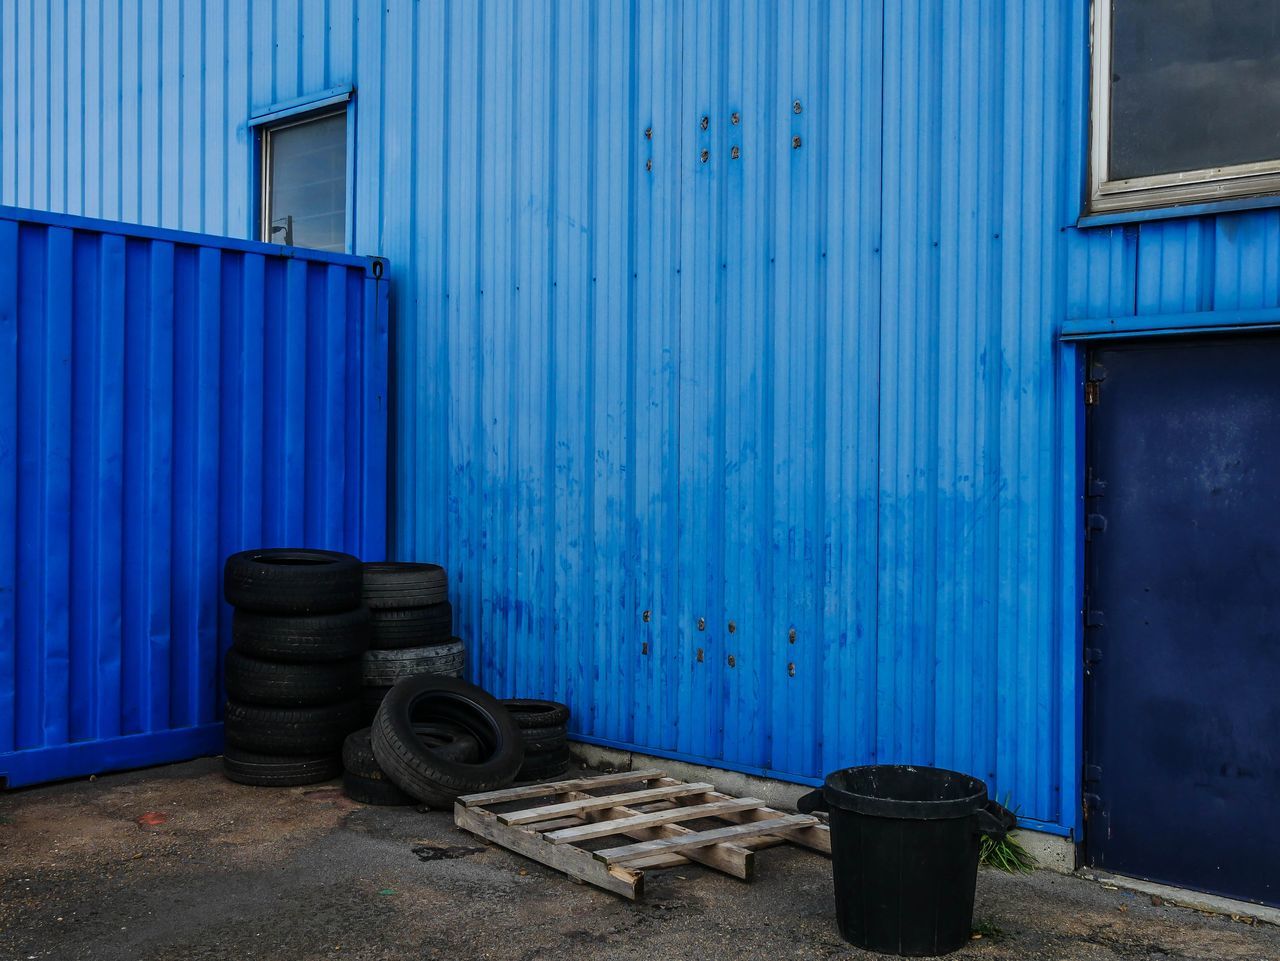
(165, 399)
(810, 389)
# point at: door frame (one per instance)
(1075, 339)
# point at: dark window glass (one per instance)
(1194, 84)
(306, 186)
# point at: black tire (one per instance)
(291, 731)
(548, 741)
(411, 626)
(534, 712)
(448, 740)
(422, 773)
(254, 681)
(377, 791)
(301, 640)
(381, 668)
(265, 770)
(372, 699)
(292, 581)
(545, 767)
(389, 585)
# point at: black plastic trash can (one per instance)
(904, 853)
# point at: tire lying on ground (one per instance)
(391, 585)
(445, 739)
(265, 770)
(544, 740)
(301, 639)
(383, 667)
(411, 626)
(530, 712)
(292, 580)
(544, 767)
(291, 731)
(254, 681)
(417, 769)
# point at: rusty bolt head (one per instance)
(732, 660)
(796, 108)
(644, 648)
(705, 122)
(735, 118)
(702, 623)
(706, 155)
(699, 655)
(648, 133)
(648, 164)
(791, 636)
(791, 669)
(732, 627)
(735, 153)
(646, 616)
(795, 143)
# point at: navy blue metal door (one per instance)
(1182, 773)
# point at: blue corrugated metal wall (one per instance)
(165, 399)
(812, 388)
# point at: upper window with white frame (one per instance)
(1186, 102)
(304, 181)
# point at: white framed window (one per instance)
(1185, 103)
(303, 180)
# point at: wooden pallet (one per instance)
(649, 809)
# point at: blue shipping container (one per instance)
(165, 399)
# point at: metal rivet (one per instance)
(648, 164)
(648, 133)
(732, 627)
(702, 623)
(732, 661)
(644, 648)
(791, 669)
(734, 118)
(791, 636)
(735, 153)
(706, 155)
(797, 108)
(646, 615)
(705, 123)
(699, 655)
(795, 143)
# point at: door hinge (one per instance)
(1092, 773)
(1091, 391)
(1092, 656)
(1094, 523)
(1090, 802)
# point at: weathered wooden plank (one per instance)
(594, 803)
(570, 860)
(816, 838)
(557, 787)
(734, 860)
(691, 812)
(645, 849)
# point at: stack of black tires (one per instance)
(543, 727)
(411, 628)
(293, 673)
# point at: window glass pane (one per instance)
(1194, 84)
(307, 183)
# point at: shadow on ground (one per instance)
(178, 864)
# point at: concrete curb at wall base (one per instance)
(1183, 898)
(1052, 852)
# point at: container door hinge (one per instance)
(1094, 487)
(1091, 802)
(1091, 392)
(1092, 656)
(1094, 524)
(1092, 773)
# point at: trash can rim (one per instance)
(839, 796)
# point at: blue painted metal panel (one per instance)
(812, 388)
(165, 399)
